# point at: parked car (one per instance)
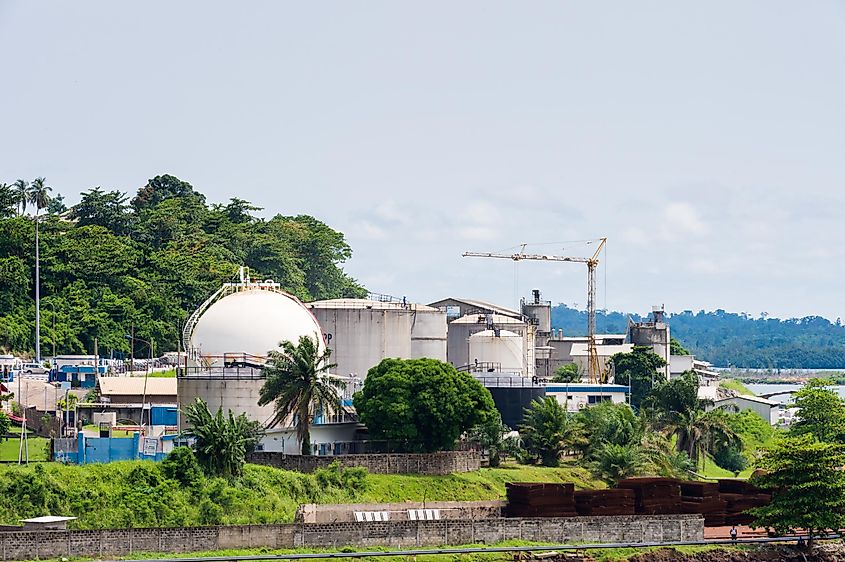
(34, 369)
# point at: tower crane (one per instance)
(594, 369)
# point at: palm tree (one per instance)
(39, 195)
(22, 188)
(300, 386)
(548, 431)
(613, 462)
(222, 442)
(698, 432)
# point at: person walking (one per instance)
(733, 533)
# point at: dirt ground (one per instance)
(824, 552)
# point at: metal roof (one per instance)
(497, 319)
(47, 519)
(749, 398)
(369, 304)
(482, 305)
(134, 386)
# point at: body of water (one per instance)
(759, 389)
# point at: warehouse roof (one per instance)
(479, 305)
(134, 386)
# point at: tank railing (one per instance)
(397, 305)
(509, 382)
(221, 372)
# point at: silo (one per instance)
(500, 349)
(362, 332)
(428, 333)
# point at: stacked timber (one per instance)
(605, 502)
(740, 496)
(654, 496)
(704, 498)
(540, 500)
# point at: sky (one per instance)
(705, 140)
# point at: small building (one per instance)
(46, 523)
(81, 371)
(765, 408)
(137, 390)
(577, 396)
(512, 394)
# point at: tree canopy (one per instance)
(110, 262)
(421, 404)
(736, 339)
(639, 370)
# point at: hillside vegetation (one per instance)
(731, 339)
(137, 494)
(108, 264)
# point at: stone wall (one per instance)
(28, 545)
(340, 512)
(447, 462)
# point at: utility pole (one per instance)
(592, 263)
(37, 293)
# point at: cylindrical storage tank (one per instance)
(503, 348)
(237, 393)
(362, 332)
(428, 333)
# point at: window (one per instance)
(595, 399)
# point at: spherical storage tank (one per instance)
(244, 325)
(251, 322)
(502, 347)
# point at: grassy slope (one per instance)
(135, 493)
(733, 384)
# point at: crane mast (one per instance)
(593, 367)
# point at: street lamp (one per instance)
(132, 338)
(53, 307)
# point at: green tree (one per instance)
(38, 194)
(567, 373)
(106, 209)
(607, 423)
(421, 404)
(674, 407)
(548, 431)
(57, 206)
(22, 194)
(8, 201)
(676, 348)
(299, 385)
(5, 425)
(613, 462)
(490, 436)
(808, 486)
(221, 442)
(641, 370)
(821, 412)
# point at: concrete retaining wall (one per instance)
(448, 462)
(27, 545)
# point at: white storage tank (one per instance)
(501, 349)
(362, 332)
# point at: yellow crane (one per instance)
(594, 369)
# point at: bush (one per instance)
(182, 465)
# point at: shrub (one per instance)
(181, 465)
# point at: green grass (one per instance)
(168, 374)
(599, 555)
(735, 385)
(137, 494)
(38, 448)
(114, 433)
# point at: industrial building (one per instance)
(362, 332)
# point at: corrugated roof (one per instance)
(47, 519)
(483, 305)
(579, 349)
(498, 320)
(134, 386)
(749, 398)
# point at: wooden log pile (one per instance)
(654, 496)
(540, 500)
(721, 503)
(740, 496)
(615, 501)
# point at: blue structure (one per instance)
(79, 376)
(91, 450)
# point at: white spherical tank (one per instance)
(251, 322)
(504, 349)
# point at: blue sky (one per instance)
(705, 140)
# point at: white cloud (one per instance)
(683, 217)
